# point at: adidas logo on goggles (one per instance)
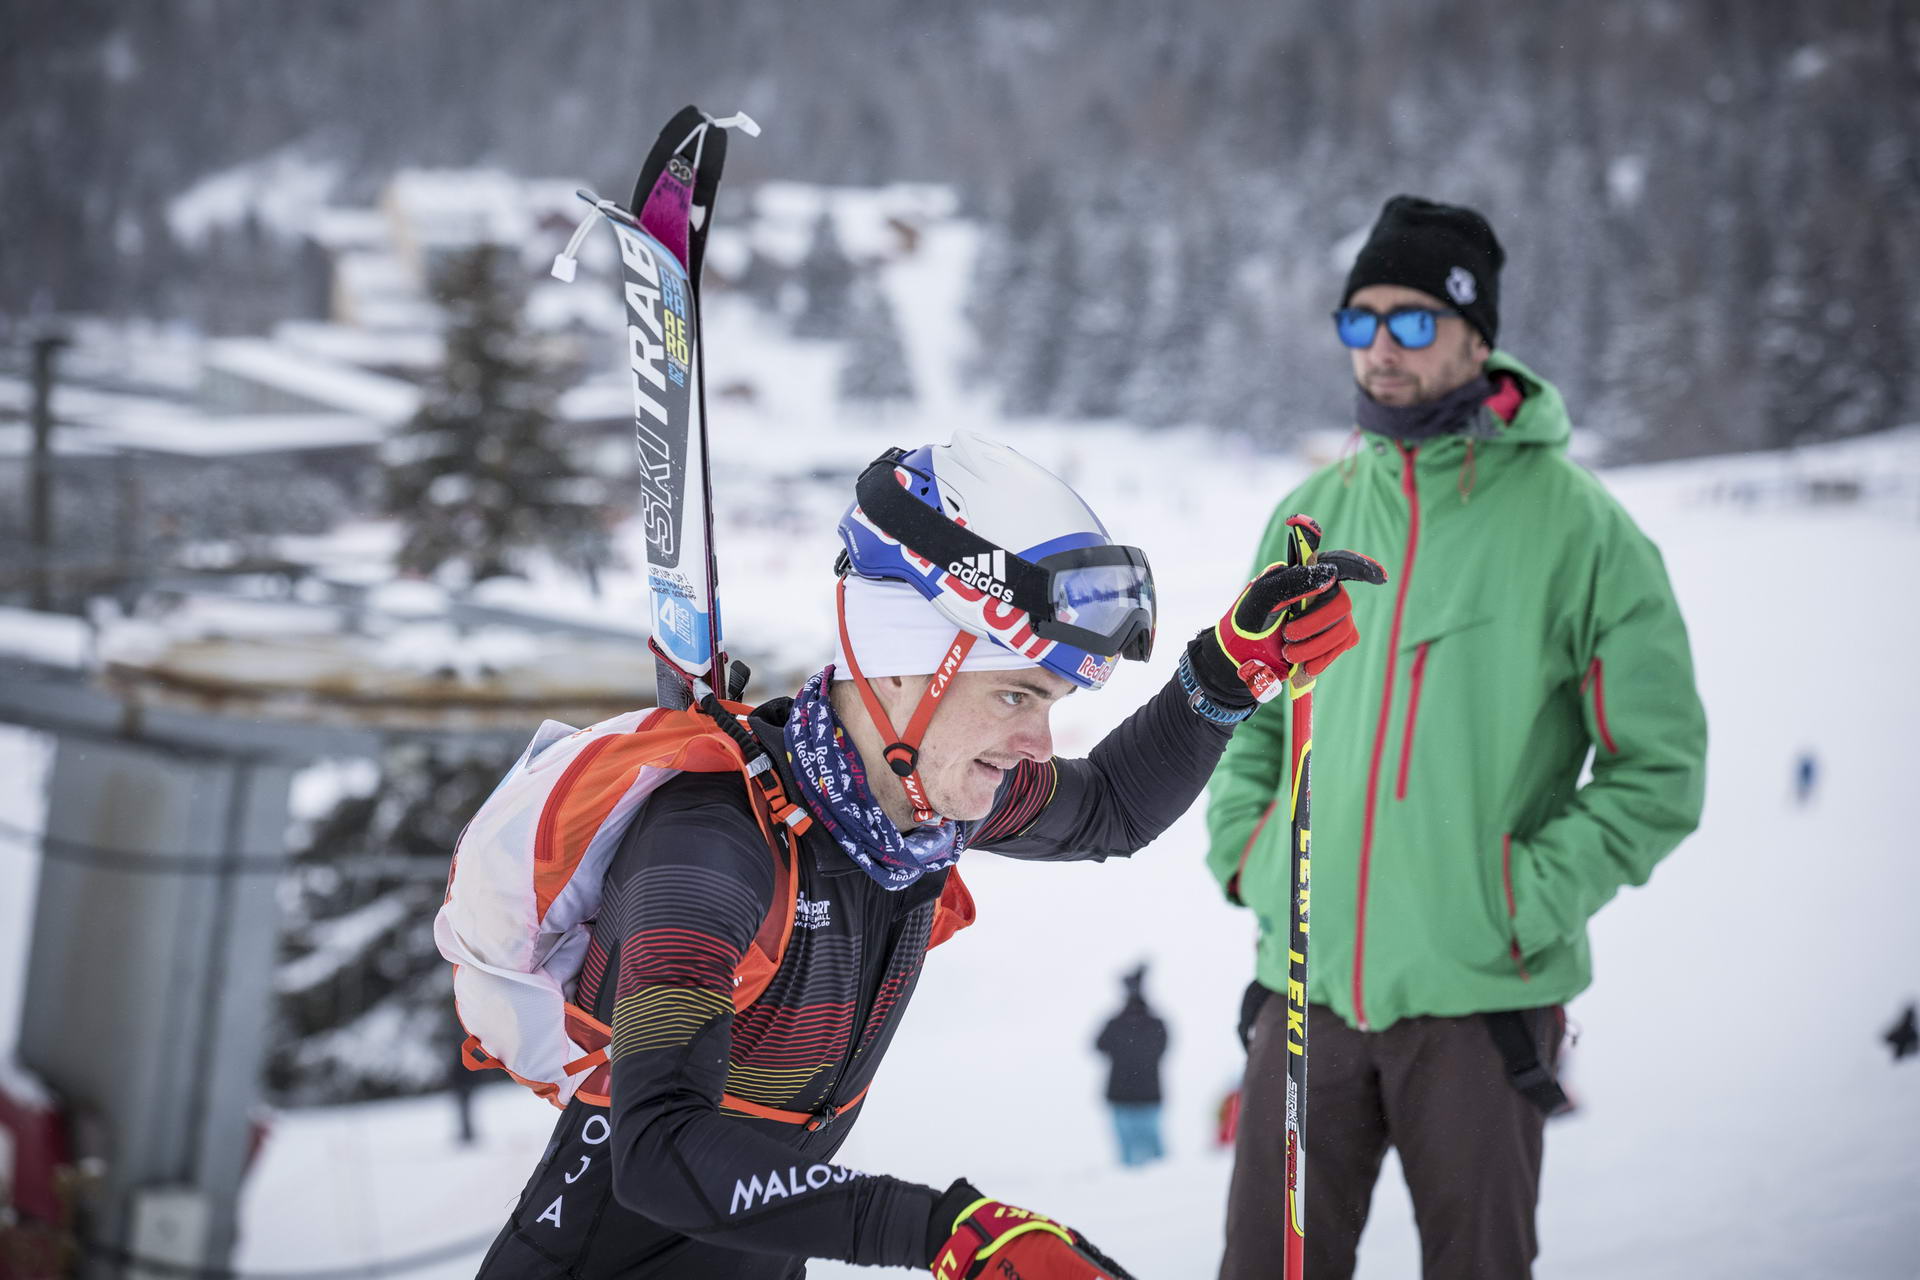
(985, 572)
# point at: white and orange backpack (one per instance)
(527, 875)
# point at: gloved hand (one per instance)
(1271, 628)
(974, 1236)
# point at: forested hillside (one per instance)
(1712, 208)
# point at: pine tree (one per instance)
(482, 474)
(1009, 254)
(762, 279)
(1179, 381)
(363, 996)
(1037, 309)
(1109, 289)
(875, 370)
(1159, 390)
(827, 276)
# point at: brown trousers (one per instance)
(1436, 1090)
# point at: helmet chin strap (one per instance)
(902, 751)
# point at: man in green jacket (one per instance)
(1457, 856)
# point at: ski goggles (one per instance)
(1101, 599)
(1411, 327)
(1097, 598)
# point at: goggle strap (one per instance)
(930, 535)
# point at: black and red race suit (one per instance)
(665, 1183)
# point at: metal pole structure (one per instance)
(148, 981)
(156, 925)
(155, 930)
(129, 550)
(40, 475)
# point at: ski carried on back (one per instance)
(663, 238)
(524, 888)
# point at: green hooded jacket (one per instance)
(1527, 623)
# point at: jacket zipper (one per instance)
(1410, 491)
(1506, 878)
(1593, 681)
(1413, 710)
(857, 1038)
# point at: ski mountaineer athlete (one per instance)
(698, 1167)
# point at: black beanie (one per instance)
(1441, 249)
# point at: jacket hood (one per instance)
(1542, 418)
(1543, 414)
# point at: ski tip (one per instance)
(739, 120)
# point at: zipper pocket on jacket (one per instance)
(1506, 878)
(1233, 881)
(1413, 712)
(1594, 684)
(859, 1034)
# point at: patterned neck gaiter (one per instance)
(833, 784)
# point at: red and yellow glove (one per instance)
(1290, 615)
(975, 1236)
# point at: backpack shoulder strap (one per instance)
(762, 958)
(782, 823)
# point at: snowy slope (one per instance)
(1739, 1116)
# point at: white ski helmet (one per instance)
(1007, 552)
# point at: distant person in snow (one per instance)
(975, 591)
(1903, 1037)
(1456, 858)
(461, 1084)
(1133, 1042)
(1806, 776)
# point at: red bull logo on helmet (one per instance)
(1096, 670)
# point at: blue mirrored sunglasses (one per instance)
(1411, 327)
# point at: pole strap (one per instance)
(1525, 1072)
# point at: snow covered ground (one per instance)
(1739, 1115)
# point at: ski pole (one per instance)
(1303, 545)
